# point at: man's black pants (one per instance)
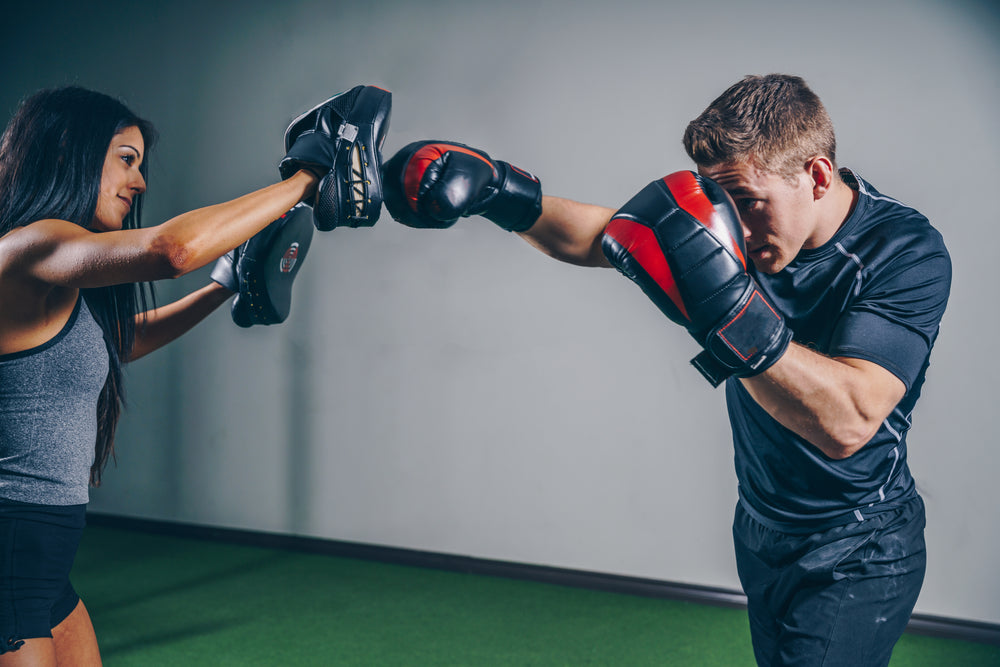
(840, 597)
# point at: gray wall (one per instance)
(456, 391)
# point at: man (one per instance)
(822, 339)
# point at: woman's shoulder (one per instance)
(31, 311)
(20, 245)
(44, 227)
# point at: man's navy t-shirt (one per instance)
(875, 291)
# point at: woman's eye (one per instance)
(128, 159)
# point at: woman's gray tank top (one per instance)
(48, 414)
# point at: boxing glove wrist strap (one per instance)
(747, 342)
(518, 201)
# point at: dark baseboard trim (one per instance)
(920, 624)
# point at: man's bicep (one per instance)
(881, 391)
(895, 323)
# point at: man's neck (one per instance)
(837, 206)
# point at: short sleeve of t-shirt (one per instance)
(894, 320)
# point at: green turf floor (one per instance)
(159, 600)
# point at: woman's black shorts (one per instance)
(37, 546)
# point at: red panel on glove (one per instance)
(641, 244)
(689, 196)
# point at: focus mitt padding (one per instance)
(266, 265)
(341, 141)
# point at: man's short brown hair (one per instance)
(774, 121)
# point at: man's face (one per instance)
(777, 213)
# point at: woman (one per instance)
(73, 261)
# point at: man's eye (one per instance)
(748, 205)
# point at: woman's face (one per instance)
(120, 180)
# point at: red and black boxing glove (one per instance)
(430, 184)
(681, 241)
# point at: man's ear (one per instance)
(822, 173)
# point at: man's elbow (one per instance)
(850, 439)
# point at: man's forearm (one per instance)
(837, 404)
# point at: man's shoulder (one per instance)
(889, 224)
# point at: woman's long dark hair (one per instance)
(51, 160)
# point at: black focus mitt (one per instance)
(340, 140)
(263, 268)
